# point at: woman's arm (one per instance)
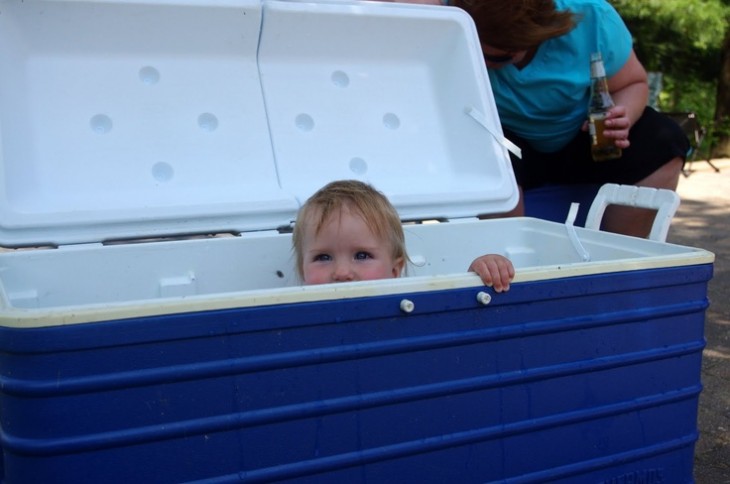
(630, 91)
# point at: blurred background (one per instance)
(685, 46)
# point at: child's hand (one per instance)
(495, 270)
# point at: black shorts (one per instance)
(655, 140)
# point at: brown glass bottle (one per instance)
(602, 148)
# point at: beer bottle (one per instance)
(602, 148)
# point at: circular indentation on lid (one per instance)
(340, 79)
(391, 121)
(101, 123)
(304, 122)
(208, 122)
(358, 165)
(149, 75)
(162, 171)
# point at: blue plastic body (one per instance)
(552, 202)
(581, 379)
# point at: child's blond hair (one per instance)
(376, 210)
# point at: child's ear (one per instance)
(398, 265)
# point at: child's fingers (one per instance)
(495, 271)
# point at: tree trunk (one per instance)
(721, 140)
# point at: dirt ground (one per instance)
(703, 220)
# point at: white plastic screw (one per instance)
(407, 306)
(484, 298)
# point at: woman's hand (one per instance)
(617, 126)
(630, 91)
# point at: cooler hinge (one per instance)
(83, 245)
(461, 220)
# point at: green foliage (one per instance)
(680, 38)
(695, 96)
(683, 40)
(701, 24)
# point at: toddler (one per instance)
(349, 231)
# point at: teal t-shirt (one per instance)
(546, 102)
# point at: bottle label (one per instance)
(597, 69)
(602, 148)
(595, 127)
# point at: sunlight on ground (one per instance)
(716, 354)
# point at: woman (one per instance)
(538, 58)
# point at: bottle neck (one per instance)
(600, 99)
(597, 69)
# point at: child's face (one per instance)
(346, 250)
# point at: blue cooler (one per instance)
(154, 155)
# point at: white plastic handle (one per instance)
(585, 256)
(665, 202)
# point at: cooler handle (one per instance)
(573, 236)
(664, 201)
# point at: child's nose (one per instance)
(343, 272)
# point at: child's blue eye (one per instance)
(322, 258)
(363, 256)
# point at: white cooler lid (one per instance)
(127, 119)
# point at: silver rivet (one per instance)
(484, 298)
(407, 306)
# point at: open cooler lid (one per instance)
(131, 118)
